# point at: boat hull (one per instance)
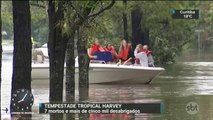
(107, 73)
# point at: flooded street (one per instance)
(180, 84)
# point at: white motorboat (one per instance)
(106, 73)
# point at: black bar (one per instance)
(185, 14)
(102, 108)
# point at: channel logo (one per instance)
(192, 108)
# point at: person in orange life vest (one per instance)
(145, 48)
(95, 47)
(124, 53)
(111, 49)
(149, 56)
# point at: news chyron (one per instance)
(100, 108)
(185, 14)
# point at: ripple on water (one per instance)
(195, 64)
(198, 81)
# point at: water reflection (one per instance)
(122, 93)
(182, 83)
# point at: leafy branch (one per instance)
(94, 14)
(77, 12)
(102, 10)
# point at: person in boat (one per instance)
(140, 56)
(38, 56)
(95, 47)
(138, 49)
(112, 50)
(125, 53)
(149, 56)
(98, 54)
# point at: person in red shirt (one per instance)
(95, 47)
(111, 49)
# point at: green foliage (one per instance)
(163, 51)
(176, 34)
(7, 19)
(101, 27)
(107, 27)
(39, 24)
(39, 20)
(167, 36)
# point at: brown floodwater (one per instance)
(180, 84)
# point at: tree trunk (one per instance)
(83, 64)
(136, 16)
(140, 35)
(22, 54)
(56, 50)
(83, 60)
(57, 44)
(0, 54)
(70, 74)
(125, 25)
(146, 36)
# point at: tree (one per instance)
(56, 49)
(70, 74)
(0, 53)
(125, 21)
(139, 32)
(136, 16)
(39, 20)
(85, 12)
(78, 21)
(166, 35)
(7, 19)
(22, 54)
(39, 24)
(83, 61)
(156, 22)
(57, 44)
